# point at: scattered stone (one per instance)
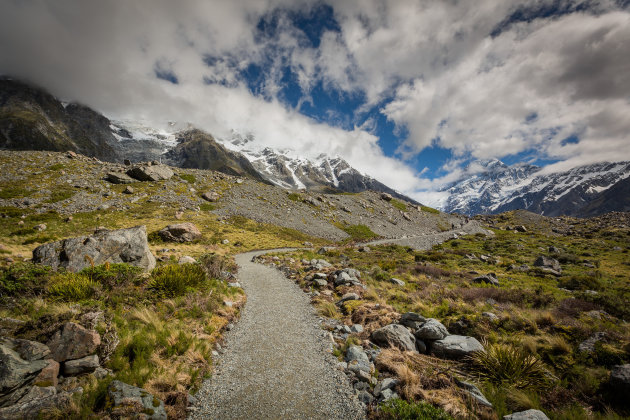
(588, 345)
(365, 397)
(225, 241)
(80, 366)
(15, 374)
(388, 394)
(349, 296)
(320, 282)
(186, 259)
(119, 178)
(49, 376)
(554, 250)
(432, 329)
(394, 335)
(406, 216)
(396, 281)
(180, 232)
(527, 415)
(520, 228)
(115, 246)
(492, 317)
(473, 392)
(357, 360)
(129, 401)
(386, 197)
(307, 244)
(72, 341)
(356, 328)
(550, 265)
(150, 173)
(620, 380)
(489, 278)
(321, 251)
(412, 320)
(41, 227)
(127, 162)
(456, 346)
(211, 196)
(387, 383)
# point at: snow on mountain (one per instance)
(497, 187)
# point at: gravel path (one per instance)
(424, 242)
(277, 363)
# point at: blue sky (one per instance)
(407, 91)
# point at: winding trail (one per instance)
(277, 363)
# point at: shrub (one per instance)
(398, 409)
(216, 266)
(71, 287)
(24, 278)
(176, 280)
(294, 197)
(505, 364)
(187, 177)
(398, 204)
(360, 232)
(111, 275)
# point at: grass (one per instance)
(359, 232)
(188, 178)
(429, 210)
(398, 409)
(60, 195)
(157, 331)
(398, 204)
(294, 197)
(8, 192)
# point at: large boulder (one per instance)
(80, 366)
(412, 320)
(180, 232)
(395, 335)
(432, 329)
(114, 246)
(456, 346)
(150, 173)
(130, 401)
(527, 415)
(72, 341)
(119, 178)
(15, 374)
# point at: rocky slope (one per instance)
(32, 119)
(582, 191)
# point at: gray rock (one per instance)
(150, 173)
(363, 376)
(492, 317)
(234, 284)
(396, 281)
(432, 329)
(490, 278)
(357, 360)
(620, 380)
(388, 394)
(394, 335)
(114, 246)
(343, 278)
(520, 228)
(356, 328)
(39, 407)
(365, 397)
(77, 367)
(119, 178)
(128, 190)
(386, 197)
(180, 232)
(131, 400)
(28, 350)
(412, 320)
(320, 276)
(421, 346)
(352, 272)
(320, 282)
(210, 196)
(349, 296)
(588, 345)
(473, 392)
(527, 415)
(550, 264)
(186, 259)
(456, 346)
(49, 375)
(15, 374)
(37, 392)
(387, 383)
(72, 341)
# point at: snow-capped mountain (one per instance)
(496, 187)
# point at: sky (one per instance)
(409, 92)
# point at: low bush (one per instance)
(72, 287)
(360, 232)
(398, 409)
(176, 280)
(23, 279)
(505, 364)
(187, 177)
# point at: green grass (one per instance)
(60, 195)
(398, 409)
(398, 204)
(359, 232)
(294, 197)
(8, 192)
(188, 177)
(429, 210)
(56, 167)
(175, 280)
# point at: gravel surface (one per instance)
(277, 363)
(427, 241)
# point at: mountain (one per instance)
(498, 187)
(198, 149)
(32, 119)
(322, 173)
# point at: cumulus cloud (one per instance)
(465, 76)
